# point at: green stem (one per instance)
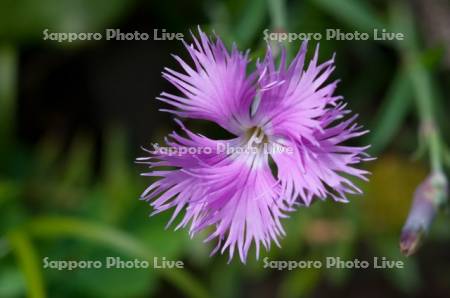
(421, 83)
(426, 105)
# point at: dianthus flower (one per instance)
(291, 126)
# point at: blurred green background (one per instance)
(74, 115)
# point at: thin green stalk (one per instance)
(431, 194)
(402, 20)
(277, 9)
(278, 16)
(424, 96)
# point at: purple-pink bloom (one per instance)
(285, 117)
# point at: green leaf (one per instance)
(354, 13)
(29, 262)
(51, 227)
(391, 114)
(250, 21)
(137, 280)
(12, 283)
(240, 27)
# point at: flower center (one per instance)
(255, 137)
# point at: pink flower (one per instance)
(285, 121)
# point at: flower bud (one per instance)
(429, 196)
